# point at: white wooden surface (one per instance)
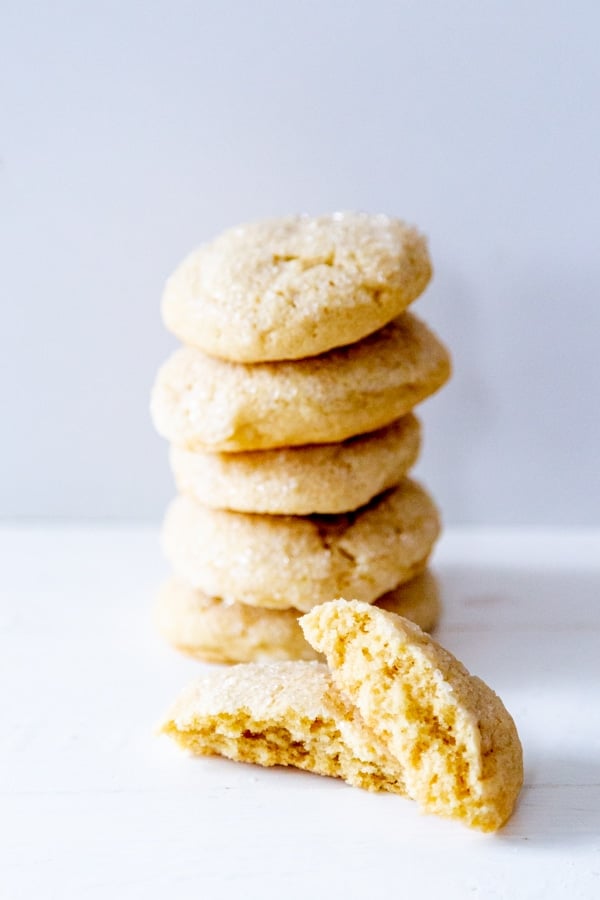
(93, 805)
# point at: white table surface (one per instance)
(94, 805)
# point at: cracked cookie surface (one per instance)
(201, 403)
(298, 561)
(296, 286)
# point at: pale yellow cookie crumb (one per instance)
(455, 741)
(277, 714)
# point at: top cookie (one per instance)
(295, 287)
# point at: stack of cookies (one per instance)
(289, 412)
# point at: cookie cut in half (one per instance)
(280, 562)
(298, 481)
(277, 714)
(215, 631)
(456, 744)
(201, 403)
(296, 286)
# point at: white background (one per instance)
(130, 132)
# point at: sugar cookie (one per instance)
(280, 562)
(318, 478)
(203, 403)
(295, 287)
(219, 632)
(456, 743)
(276, 714)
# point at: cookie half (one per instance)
(219, 632)
(277, 714)
(295, 287)
(203, 403)
(280, 562)
(456, 743)
(319, 478)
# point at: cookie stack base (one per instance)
(218, 632)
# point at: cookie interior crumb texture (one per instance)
(277, 714)
(296, 286)
(457, 745)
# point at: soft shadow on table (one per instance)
(554, 811)
(532, 634)
(514, 596)
(522, 628)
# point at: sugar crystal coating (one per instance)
(296, 286)
(200, 403)
(318, 478)
(280, 562)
